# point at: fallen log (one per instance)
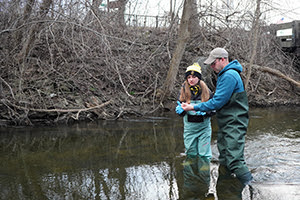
(277, 73)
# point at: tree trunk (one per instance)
(44, 9)
(26, 14)
(30, 41)
(171, 10)
(183, 37)
(255, 30)
(121, 12)
(194, 22)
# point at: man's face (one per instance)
(217, 65)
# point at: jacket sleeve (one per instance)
(224, 91)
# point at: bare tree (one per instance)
(26, 14)
(255, 31)
(29, 42)
(121, 12)
(194, 22)
(183, 36)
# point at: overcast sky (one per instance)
(287, 9)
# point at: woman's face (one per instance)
(192, 80)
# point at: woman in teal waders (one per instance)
(197, 125)
(197, 136)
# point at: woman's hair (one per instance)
(185, 92)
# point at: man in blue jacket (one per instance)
(231, 103)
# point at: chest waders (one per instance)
(233, 122)
(197, 133)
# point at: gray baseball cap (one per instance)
(216, 53)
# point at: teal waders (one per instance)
(197, 133)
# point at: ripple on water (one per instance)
(274, 158)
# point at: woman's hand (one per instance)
(187, 106)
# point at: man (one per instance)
(231, 103)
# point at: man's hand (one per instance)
(187, 107)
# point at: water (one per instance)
(142, 159)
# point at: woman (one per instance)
(197, 125)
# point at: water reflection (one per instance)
(196, 175)
(142, 159)
(137, 182)
(105, 160)
(228, 186)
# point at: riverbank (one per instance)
(63, 81)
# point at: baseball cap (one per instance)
(216, 53)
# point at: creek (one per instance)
(141, 158)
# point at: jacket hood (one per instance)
(233, 65)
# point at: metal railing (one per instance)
(147, 21)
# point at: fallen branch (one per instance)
(61, 110)
(277, 73)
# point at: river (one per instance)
(142, 159)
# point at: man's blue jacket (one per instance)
(229, 82)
